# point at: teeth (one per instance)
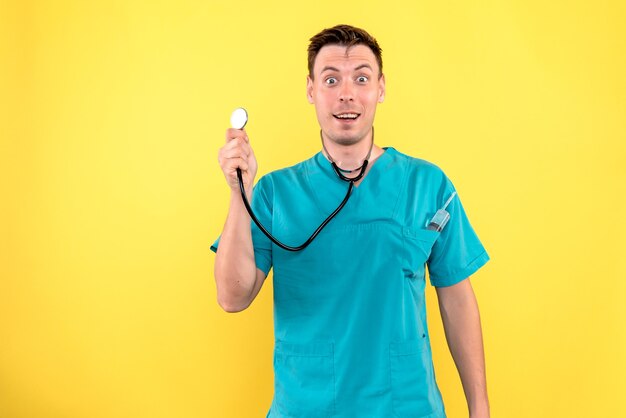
(347, 116)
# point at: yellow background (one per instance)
(112, 115)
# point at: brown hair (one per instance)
(344, 35)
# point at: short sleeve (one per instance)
(262, 207)
(457, 252)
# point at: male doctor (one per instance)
(351, 336)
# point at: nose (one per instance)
(346, 93)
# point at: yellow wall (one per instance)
(112, 115)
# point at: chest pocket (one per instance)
(418, 244)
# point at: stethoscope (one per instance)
(238, 120)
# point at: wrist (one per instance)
(479, 411)
(237, 201)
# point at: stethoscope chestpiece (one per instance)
(239, 118)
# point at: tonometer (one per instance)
(238, 120)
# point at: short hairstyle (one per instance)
(343, 35)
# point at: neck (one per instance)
(351, 156)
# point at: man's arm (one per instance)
(237, 278)
(461, 322)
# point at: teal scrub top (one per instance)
(351, 337)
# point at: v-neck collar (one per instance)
(327, 189)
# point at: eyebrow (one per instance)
(328, 68)
(363, 66)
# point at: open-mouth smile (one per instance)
(346, 116)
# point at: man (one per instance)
(351, 337)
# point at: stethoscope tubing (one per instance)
(322, 225)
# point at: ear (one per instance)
(309, 89)
(381, 89)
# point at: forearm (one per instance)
(235, 268)
(462, 327)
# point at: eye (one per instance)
(331, 80)
(362, 79)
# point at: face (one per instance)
(345, 90)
